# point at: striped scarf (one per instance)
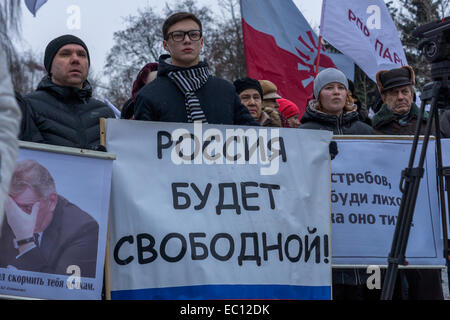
(189, 81)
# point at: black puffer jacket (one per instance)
(66, 116)
(344, 124)
(445, 124)
(161, 100)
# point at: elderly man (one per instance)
(250, 93)
(44, 231)
(62, 107)
(398, 116)
(184, 90)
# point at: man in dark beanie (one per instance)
(250, 92)
(62, 107)
(184, 90)
(398, 116)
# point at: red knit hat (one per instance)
(288, 108)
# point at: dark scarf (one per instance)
(189, 81)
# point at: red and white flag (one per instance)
(280, 46)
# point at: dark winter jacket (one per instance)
(127, 111)
(346, 123)
(66, 116)
(28, 130)
(161, 100)
(385, 122)
(445, 124)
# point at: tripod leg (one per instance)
(440, 177)
(409, 198)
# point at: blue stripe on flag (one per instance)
(226, 292)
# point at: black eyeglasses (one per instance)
(179, 36)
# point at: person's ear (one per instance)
(383, 98)
(53, 200)
(166, 45)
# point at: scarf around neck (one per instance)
(189, 81)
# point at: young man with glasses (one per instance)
(184, 91)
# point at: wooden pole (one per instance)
(106, 276)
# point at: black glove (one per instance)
(99, 147)
(333, 149)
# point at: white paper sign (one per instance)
(366, 199)
(67, 259)
(237, 220)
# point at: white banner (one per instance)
(363, 31)
(366, 198)
(65, 259)
(237, 220)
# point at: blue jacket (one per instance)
(161, 100)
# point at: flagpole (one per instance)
(318, 56)
(320, 39)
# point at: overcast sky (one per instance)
(101, 18)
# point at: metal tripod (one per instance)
(409, 186)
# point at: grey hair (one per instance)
(31, 174)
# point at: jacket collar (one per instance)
(385, 115)
(165, 66)
(65, 93)
(312, 114)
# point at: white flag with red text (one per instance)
(364, 31)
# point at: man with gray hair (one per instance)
(399, 114)
(44, 231)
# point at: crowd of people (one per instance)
(180, 88)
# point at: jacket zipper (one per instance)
(339, 125)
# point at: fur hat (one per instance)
(327, 76)
(53, 47)
(248, 83)
(388, 79)
(269, 90)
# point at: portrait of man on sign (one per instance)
(43, 231)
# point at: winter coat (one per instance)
(127, 111)
(10, 118)
(161, 100)
(444, 123)
(385, 122)
(345, 124)
(28, 130)
(67, 116)
(270, 118)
